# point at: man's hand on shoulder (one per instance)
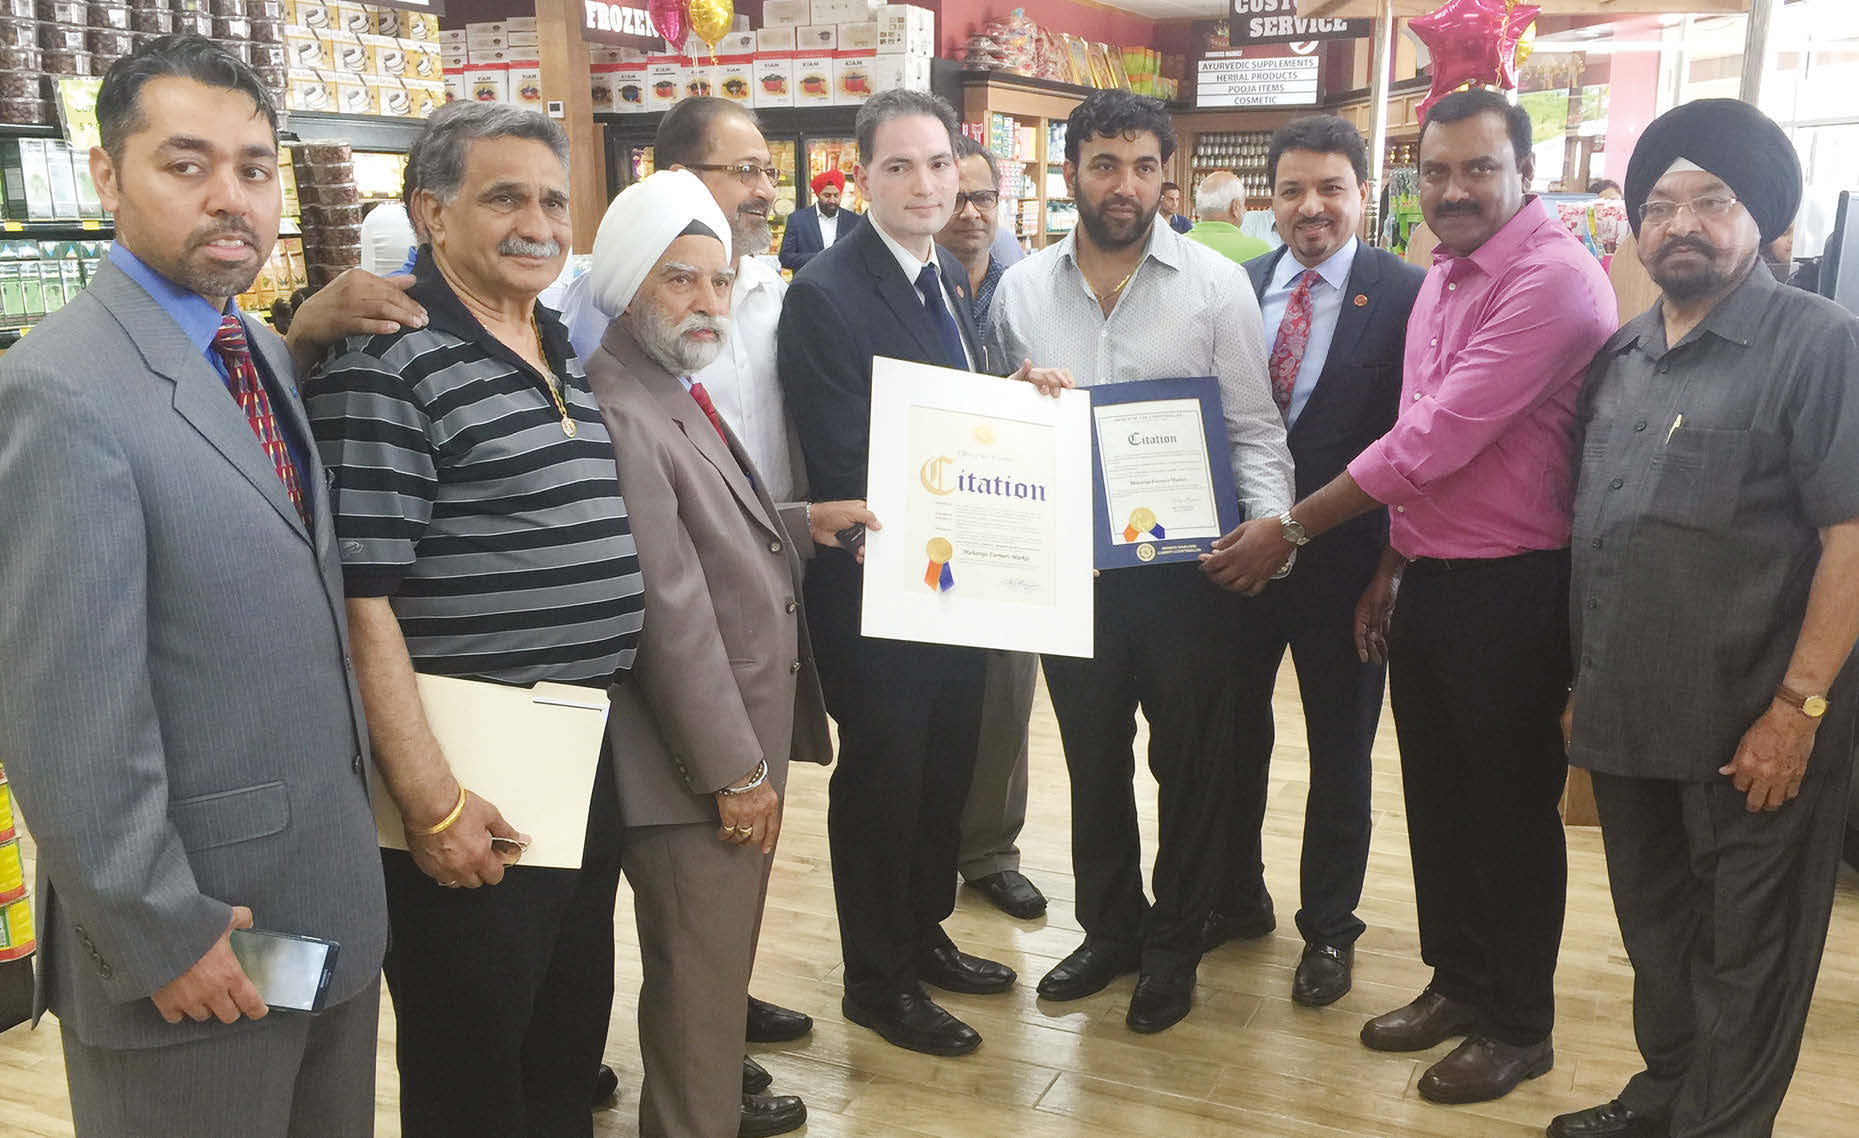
(356, 303)
(216, 987)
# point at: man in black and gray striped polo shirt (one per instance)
(483, 536)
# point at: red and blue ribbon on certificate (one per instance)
(1143, 525)
(938, 576)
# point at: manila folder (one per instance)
(530, 752)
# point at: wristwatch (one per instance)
(1812, 706)
(1293, 529)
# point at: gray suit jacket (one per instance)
(725, 674)
(179, 715)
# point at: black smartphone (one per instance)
(290, 972)
(852, 537)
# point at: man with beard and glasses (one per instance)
(1121, 298)
(819, 225)
(1715, 606)
(1336, 316)
(483, 536)
(721, 142)
(725, 691)
(180, 720)
(1479, 472)
(989, 860)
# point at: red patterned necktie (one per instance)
(1293, 338)
(249, 392)
(703, 400)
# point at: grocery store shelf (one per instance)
(363, 132)
(88, 229)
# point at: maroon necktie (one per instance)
(703, 400)
(1293, 337)
(249, 392)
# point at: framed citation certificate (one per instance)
(1162, 470)
(982, 486)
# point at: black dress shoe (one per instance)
(1429, 1020)
(1609, 1120)
(771, 1024)
(1323, 974)
(1087, 971)
(953, 970)
(1249, 925)
(755, 1077)
(1011, 893)
(606, 1085)
(914, 1022)
(1482, 1069)
(1161, 1000)
(763, 1115)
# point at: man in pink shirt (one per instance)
(1478, 473)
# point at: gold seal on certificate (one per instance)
(983, 488)
(938, 576)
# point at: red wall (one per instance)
(1632, 94)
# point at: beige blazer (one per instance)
(725, 675)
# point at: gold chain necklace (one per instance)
(548, 379)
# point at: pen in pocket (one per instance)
(1676, 423)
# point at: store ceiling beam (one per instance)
(1406, 9)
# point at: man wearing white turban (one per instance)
(724, 690)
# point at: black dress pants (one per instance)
(1724, 914)
(1313, 613)
(909, 716)
(502, 993)
(1479, 670)
(1159, 646)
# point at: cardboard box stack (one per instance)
(358, 59)
(496, 61)
(808, 53)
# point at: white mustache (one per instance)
(523, 247)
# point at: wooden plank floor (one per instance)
(1247, 1061)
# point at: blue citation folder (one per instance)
(1161, 471)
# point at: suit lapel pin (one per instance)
(1361, 300)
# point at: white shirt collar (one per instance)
(906, 260)
(753, 273)
(1165, 245)
(1334, 269)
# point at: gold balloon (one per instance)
(711, 20)
(1526, 43)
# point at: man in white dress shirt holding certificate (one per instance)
(1120, 299)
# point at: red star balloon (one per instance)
(1473, 42)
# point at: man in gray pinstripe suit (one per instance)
(180, 716)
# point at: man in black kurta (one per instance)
(1715, 605)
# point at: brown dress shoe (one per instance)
(1483, 1068)
(1430, 1020)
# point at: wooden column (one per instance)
(566, 79)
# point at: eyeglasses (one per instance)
(1707, 208)
(746, 172)
(983, 199)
